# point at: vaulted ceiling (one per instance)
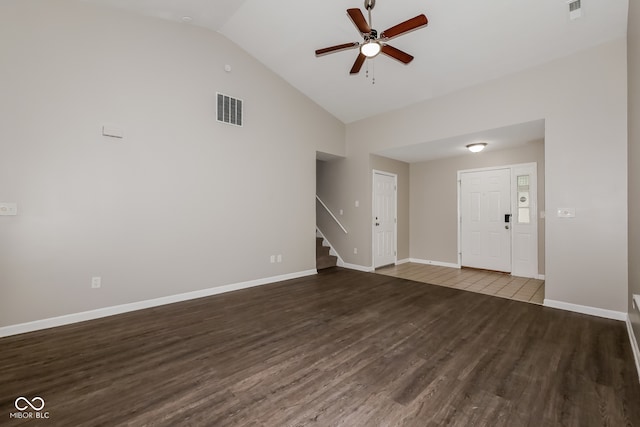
(466, 42)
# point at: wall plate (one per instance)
(7, 208)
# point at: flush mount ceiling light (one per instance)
(477, 147)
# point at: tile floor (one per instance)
(486, 282)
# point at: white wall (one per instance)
(583, 101)
(182, 203)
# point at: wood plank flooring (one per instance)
(487, 282)
(342, 348)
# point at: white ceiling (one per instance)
(467, 42)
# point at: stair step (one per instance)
(326, 262)
(322, 250)
(323, 257)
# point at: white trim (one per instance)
(67, 319)
(403, 261)
(585, 309)
(541, 276)
(438, 263)
(395, 209)
(366, 269)
(634, 346)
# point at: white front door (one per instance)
(485, 208)
(384, 219)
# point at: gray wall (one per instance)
(633, 62)
(331, 177)
(434, 200)
(583, 99)
(182, 203)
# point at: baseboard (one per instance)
(541, 276)
(634, 346)
(67, 319)
(358, 267)
(430, 262)
(403, 261)
(585, 309)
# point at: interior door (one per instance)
(384, 219)
(485, 209)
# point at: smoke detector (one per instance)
(575, 9)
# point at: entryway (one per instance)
(481, 281)
(497, 225)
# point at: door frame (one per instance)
(373, 207)
(533, 167)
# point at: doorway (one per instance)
(384, 227)
(497, 227)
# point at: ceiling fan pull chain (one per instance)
(373, 73)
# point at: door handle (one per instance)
(377, 224)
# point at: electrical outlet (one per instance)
(355, 250)
(272, 259)
(96, 282)
(279, 258)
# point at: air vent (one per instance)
(229, 110)
(575, 9)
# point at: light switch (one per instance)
(566, 212)
(8, 208)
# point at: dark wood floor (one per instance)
(340, 348)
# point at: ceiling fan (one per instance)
(372, 44)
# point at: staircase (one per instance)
(323, 258)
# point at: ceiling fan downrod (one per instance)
(369, 4)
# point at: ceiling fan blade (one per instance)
(359, 20)
(336, 48)
(358, 64)
(401, 56)
(404, 27)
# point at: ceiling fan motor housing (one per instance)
(369, 4)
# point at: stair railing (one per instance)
(331, 213)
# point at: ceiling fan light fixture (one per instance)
(476, 147)
(370, 49)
